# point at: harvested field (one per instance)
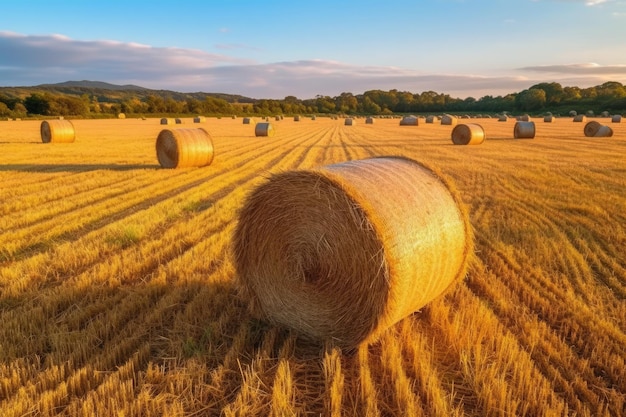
(118, 294)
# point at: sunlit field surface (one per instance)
(118, 294)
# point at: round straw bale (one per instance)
(579, 118)
(313, 118)
(369, 121)
(524, 130)
(573, 113)
(121, 116)
(233, 117)
(448, 120)
(296, 118)
(605, 114)
(199, 119)
(430, 119)
(590, 113)
(616, 118)
(166, 121)
(178, 121)
(409, 121)
(180, 148)
(468, 134)
(502, 118)
(57, 131)
(248, 120)
(604, 131)
(549, 119)
(264, 129)
(524, 118)
(343, 252)
(591, 128)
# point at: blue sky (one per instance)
(277, 48)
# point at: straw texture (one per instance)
(448, 120)
(179, 148)
(468, 134)
(591, 128)
(524, 130)
(57, 131)
(409, 121)
(264, 129)
(343, 252)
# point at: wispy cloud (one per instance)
(234, 46)
(32, 60)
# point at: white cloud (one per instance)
(32, 60)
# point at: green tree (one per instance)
(554, 92)
(37, 104)
(530, 100)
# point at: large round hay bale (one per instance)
(430, 119)
(296, 118)
(167, 121)
(591, 128)
(248, 120)
(524, 130)
(409, 121)
(199, 119)
(178, 121)
(448, 120)
(343, 252)
(549, 119)
(57, 131)
(468, 134)
(349, 121)
(616, 118)
(264, 129)
(369, 121)
(579, 118)
(313, 117)
(180, 148)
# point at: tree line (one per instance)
(542, 97)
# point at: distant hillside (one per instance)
(112, 93)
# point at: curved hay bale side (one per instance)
(524, 118)
(524, 130)
(409, 121)
(591, 128)
(468, 134)
(604, 132)
(573, 113)
(430, 119)
(167, 121)
(549, 119)
(502, 118)
(296, 118)
(616, 118)
(181, 148)
(248, 121)
(579, 118)
(369, 121)
(349, 121)
(57, 131)
(448, 120)
(264, 129)
(178, 121)
(345, 251)
(199, 119)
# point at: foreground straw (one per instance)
(343, 252)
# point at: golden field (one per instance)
(118, 294)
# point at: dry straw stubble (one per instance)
(57, 131)
(468, 134)
(179, 148)
(345, 251)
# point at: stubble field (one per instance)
(118, 294)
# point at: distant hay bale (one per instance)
(264, 129)
(579, 118)
(605, 114)
(313, 118)
(502, 118)
(277, 118)
(199, 119)
(178, 121)
(524, 130)
(57, 131)
(468, 134)
(369, 121)
(248, 121)
(616, 118)
(430, 119)
(466, 116)
(166, 121)
(524, 118)
(590, 113)
(233, 117)
(296, 118)
(409, 121)
(182, 148)
(349, 121)
(549, 119)
(448, 120)
(604, 132)
(345, 251)
(121, 116)
(573, 113)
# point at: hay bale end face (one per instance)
(616, 118)
(386, 234)
(181, 148)
(369, 121)
(264, 129)
(591, 128)
(349, 121)
(549, 119)
(199, 119)
(448, 120)
(524, 130)
(166, 121)
(57, 131)
(468, 134)
(579, 118)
